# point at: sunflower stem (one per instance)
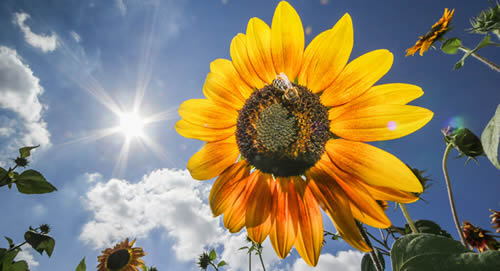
(262, 261)
(408, 217)
(450, 194)
(250, 261)
(488, 63)
(373, 255)
(211, 263)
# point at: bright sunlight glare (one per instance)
(131, 125)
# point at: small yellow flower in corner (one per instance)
(123, 257)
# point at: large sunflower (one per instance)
(123, 257)
(282, 149)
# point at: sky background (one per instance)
(65, 66)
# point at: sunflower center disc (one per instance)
(118, 259)
(282, 136)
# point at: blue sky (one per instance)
(66, 65)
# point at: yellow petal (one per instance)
(326, 56)
(372, 165)
(242, 63)
(395, 93)
(213, 159)
(381, 122)
(221, 92)
(357, 194)
(259, 49)
(258, 218)
(367, 219)
(309, 237)
(386, 193)
(226, 70)
(336, 205)
(357, 77)
(189, 130)
(234, 217)
(287, 40)
(285, 209)
(227, 187)
(207, 114)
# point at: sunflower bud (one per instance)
(465, 141)
(487, 21)
(44, 228)
(478, 238)
(204, 261)
(495, 220)
(383, 204)
(424, 181)
(21, 162)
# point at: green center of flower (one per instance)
(118, 259)
(282, 132)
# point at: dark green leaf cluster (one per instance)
(465, 141)
(487, 21)
(427, 226)
(367, 263)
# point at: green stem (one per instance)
(488, 63)
(215, 267)
(450, 194)
(16, 247)
(373, 255)
(249, 261)
(262, 261)
(408, 218)
(6, 176)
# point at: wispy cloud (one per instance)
(75, 36)
(121, 6)
(46, 43)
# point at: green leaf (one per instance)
(11, 243)
(17, 266)
(32, 182)
(212, 255)
(241, 248)
(26, 151)
(81, 266)
(490, 138)
(221, 263)
(450, 46)
(8, 258)
(40, 242)
(367, 263)
(427, 226)
(483, 43)
(424, 251)
(3, 176)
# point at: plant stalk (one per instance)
(262, 261)
(408, 217)
(450, 194)
(485, 61)
(373, 255)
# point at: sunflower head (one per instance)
(436, 33)
(495, 220)
(122, 257)
(424, 180)
(464, 140)
(204, 260)
(21, 162)
(478, 238)
(487, 21)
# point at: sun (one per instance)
(131, 125)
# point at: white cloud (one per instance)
(46, 43)
(21, 118)
(25, 255)
(349, 260)
(75, 36)
(121, 6)
(224, 1)
(168, 200)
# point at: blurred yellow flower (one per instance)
(123, 257)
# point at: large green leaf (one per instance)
(367, 263)
(26, 151)
(212, 255)
(490, 138)
(40, 242)
(485, 42)
(17, 266)
(424, 251)
(427, 226)
(32, 182)
(81, 266)
(450, 46)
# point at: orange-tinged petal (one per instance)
(357, 194)
(259, 49)
(386, 193)
(213, 159)
(357, 77)
(327, 55)
(395, 93)
(226, 70)
(242, 62)
(227, 187)
(221, 92)
(189, 130)
(234, 217)
(207, 114)
(285, 209)
(367, 219)
(309, 56)
(258, 218)
(336, 205)
(287, 40)
(372, 165)
(309, 237)
(380, 122)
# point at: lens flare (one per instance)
(391, 125)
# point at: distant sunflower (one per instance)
(123, 257)
(436, 32)
(282, 149)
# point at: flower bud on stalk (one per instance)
(465, 141)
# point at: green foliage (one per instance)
(450, 46)
(221, 263)
(32, 182)
(367, 263)
(485, 42)
(81, 266)
(212, 255)
(490, 138)
(25, 152)
(487, 21)
(427, 226)
(424, 251)
(11, 243)
(40, 242)
(7, 262)
(464, 141)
